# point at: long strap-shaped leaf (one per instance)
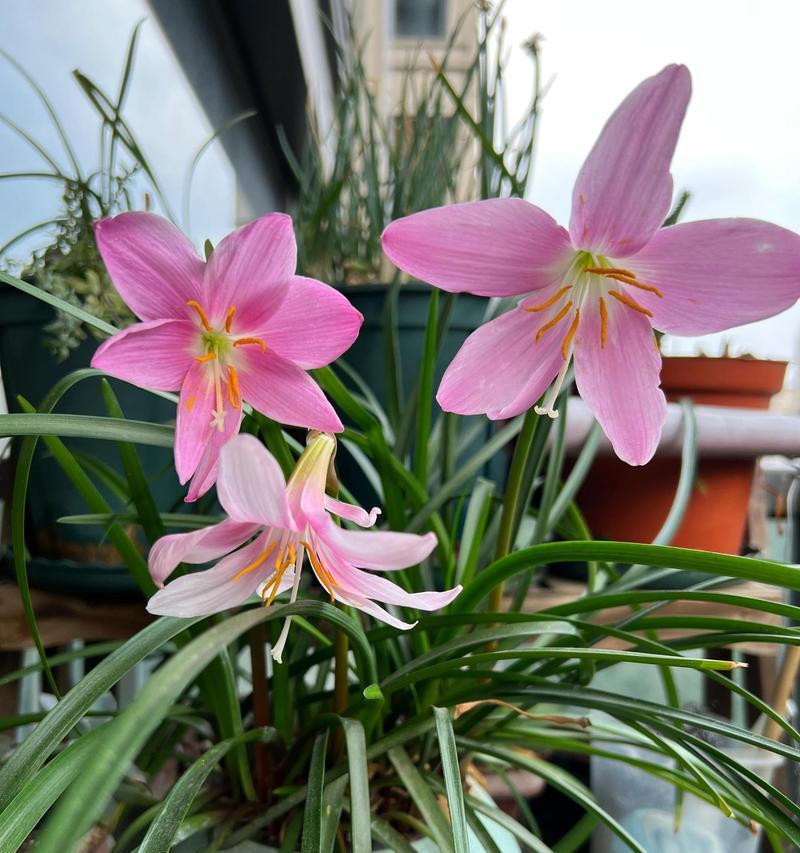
(161, 834)
(312, 813)
(452, 779)
(423, 798)
(624, 552)
(87, 426)
(31, 754)
(86, 799)
(361, 841)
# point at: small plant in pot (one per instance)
(40, 344)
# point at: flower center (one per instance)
(287, 557)
(218, 346)
(594, 278)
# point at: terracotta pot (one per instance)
(630, 504)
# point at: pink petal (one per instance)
(205, 474)
(198, 546)
(369, 607)
(153, 355)
(718, 273)
(153, 266)
(284, 392)
(497, 247)
(501, 370)
(193, 428)
(251, 269)
(351, 581)
(313, 325)
(621, 380)
(352, 513)
(213, 590)
(374, 549)
(251, 486)
(624, 189)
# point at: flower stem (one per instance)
(258, 640)
(509, 521)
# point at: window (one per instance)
(419, 18)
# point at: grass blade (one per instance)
(452, 779)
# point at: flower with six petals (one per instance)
(242, 327)
(281, 524)
(593, 294)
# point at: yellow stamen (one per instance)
(243, 342)
(612, 271)
(631, 303)
(208, 357)
(633, 282)
(193, 303)
(557, 319)
(571, 333)
(325, 577)
(288, 561)
(256, 563)
(229, 318)
(551, 301)
(603, 322)
(233, 388)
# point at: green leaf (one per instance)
(24, 812)
(32, 753)
(359, 786)
(87, 426)
(312, 813)
(422, 795)
(86, 799)
(425, 395)
(452, 779)
(333, 802)
(161, 834)
(137, 481)
(60, 304)
(624, 552)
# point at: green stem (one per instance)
(516, 476)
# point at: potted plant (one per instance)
(317, 688)
(716, 516)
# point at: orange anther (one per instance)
(256, 563)
(570, 334)
(612, 271)
(211, 356)
(243, 342)
(193, 303)
(234, 393)
(631, 303)
(324, 575)
(551, 301)
(603, 322)
(229, 318)
(557, 319)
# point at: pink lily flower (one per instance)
(242, 327)
(282, 523)
(593, 294)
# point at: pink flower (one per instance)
(282, 524)
(241, 327)
(595, 292)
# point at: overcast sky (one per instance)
(739, 153)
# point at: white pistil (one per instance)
(555, 389)
(277, 652)
(218, 414)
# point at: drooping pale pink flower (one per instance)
(594, 293)
(242, 327)
(282, 524)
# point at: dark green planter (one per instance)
(73, 558)
(368, 356)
